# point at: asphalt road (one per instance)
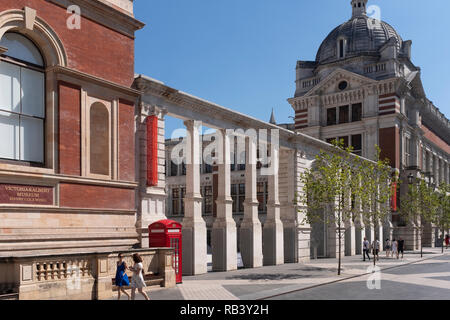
(429, 279)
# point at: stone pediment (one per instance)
(331, 83)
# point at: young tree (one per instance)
(375, 190)
(420, 204)
(327, 189)
(441, 218)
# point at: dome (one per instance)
(361, 35)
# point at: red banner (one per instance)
(394, 196)
(152, 151)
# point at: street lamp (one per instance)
(410, 178)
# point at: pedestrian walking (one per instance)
(401, 247)
(388, 247)
(366, 248)
(394, 248)
(376, 249)
(137, 282)
(121, 277)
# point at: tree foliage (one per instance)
(341, 186)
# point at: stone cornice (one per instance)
(93, 79)
(156, 88)
(105, 14)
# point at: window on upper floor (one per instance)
(407, 152)
(344, 114)
(345, 139)
(356, 112)
(173, 169)
(331, 116)
(357, 144)
(22, 100)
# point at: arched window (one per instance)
(99, 139)
(22, 100)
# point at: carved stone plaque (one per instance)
(23, 194)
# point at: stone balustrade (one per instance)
(82, 276)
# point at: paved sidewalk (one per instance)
(264, 282)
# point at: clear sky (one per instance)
(242, 54)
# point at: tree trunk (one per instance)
(421, 241)
(339, 263)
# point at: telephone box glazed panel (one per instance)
(167, 233)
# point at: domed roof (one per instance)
(362, 35)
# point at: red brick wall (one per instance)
(69, 129)
(95, 197)
(390, 145)
(301, 119)
(435, 139)
(94, 49)
(126, 141)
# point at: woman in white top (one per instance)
(394, 248)
(137, 282)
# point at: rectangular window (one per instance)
(208, 168)
(345, 141)
(173, 169)
(22, 113)
(356, 112)
(408, 152)
(261, 193)
(330, 140)
(341, 48)
(175, 201)
(331, 116)
(208, 199)
(183, 194)
(343, 114)
(357, 144)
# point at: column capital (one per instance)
(153, 110)
(190, 124)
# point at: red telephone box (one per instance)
(167, 233)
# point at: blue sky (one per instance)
(242, 53)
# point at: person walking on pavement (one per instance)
(366, 245)
(376, 249)
(394, 248)
(447, 240)
(401, 247)
(388, 247)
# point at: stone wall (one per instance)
(76, 276)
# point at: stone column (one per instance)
(194, 227)
(360, 234)
(250, 230)
(350, 238)
(273, 239)
(151, 200)
(288, 209)
(224, 245)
